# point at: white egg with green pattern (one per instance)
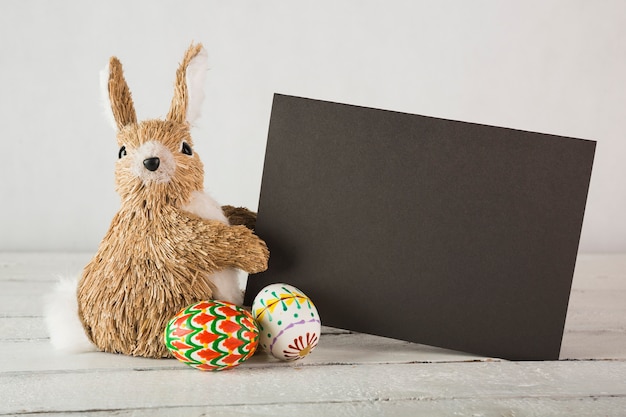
(289, 324)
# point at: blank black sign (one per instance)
(446, 233)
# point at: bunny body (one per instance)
(170, 244)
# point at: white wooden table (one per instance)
(348, 374)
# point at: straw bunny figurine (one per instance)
(170, 244)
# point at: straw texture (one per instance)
(156, 258)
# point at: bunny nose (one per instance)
(151, 164)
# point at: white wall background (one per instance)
(553, 66)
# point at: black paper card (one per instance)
(446, 233)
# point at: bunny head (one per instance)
(157, 163)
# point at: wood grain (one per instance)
(349, 374)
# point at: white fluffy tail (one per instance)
(61, 318)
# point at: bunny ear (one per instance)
(188, 89)
(118, 101)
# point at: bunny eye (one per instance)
(186, 149)
(122, 152)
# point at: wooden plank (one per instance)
(22, 329)
(23, 298)
(594, 345)
(270, 387)
(597, 309)
(598, 271)
(12, 306)
(492, 407)
(24, 355)
(595, 327)
(349, 373)
(23, 288)
(44, 266)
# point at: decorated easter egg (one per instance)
(212, 335)
(289, 325)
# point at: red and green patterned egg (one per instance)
(212, 335)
